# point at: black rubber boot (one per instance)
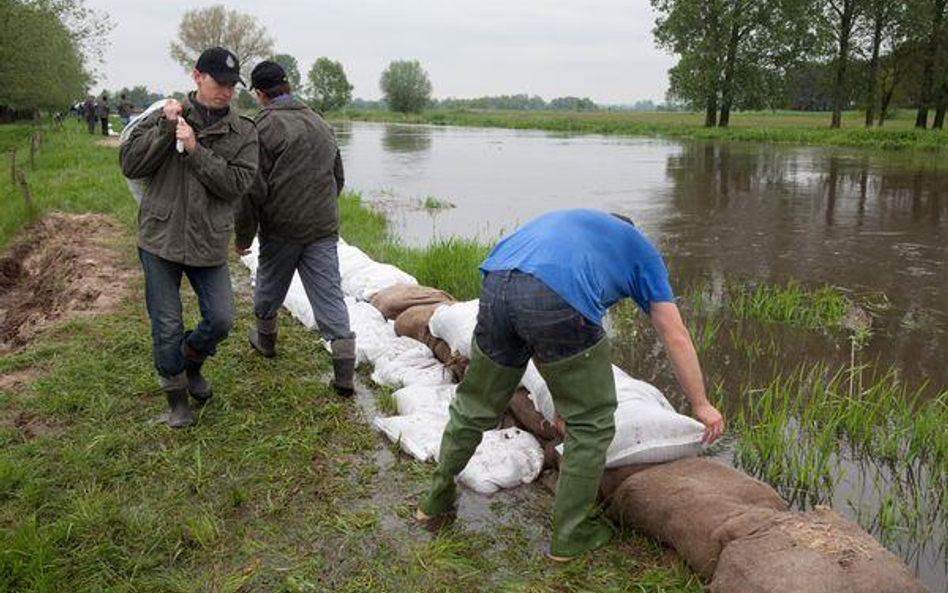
(343, 366)
(198, 387)
(179, 413)
(264, 336)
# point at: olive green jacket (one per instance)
(295, 196)
(187, 213)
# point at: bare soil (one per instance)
(65, 265)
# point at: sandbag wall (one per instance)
(731, 529)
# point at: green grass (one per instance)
(280, 486)
(451, 264)
(783, 127)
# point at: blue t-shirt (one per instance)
(590, 258)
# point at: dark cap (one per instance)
(221, 64)
(267, 75)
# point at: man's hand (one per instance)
(171, 110)
(713, 422)
(185, 133)
(241, 251)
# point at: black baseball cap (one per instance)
(266, 75)
(221, 64)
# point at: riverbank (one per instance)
(798, 128)
(280, 486)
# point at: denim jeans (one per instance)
(520, 317)
(163, 300)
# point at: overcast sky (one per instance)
(602, 49)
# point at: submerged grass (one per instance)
(783, 127)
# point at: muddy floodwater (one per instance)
(873, 224)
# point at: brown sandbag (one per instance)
(413, 322)
(392, 301)
(531, 419)
(695, 505)
(814, 552)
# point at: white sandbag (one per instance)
(373, 332)
(408, 362)
(366, 280)
(419, 434)
(423, 398)
(504, 459)
(648, 429)
(138, 187)
(351, 258)
(538, 392)
(455, 325)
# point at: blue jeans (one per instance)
(163, 300)
(520, 317)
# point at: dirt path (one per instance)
(63, 265)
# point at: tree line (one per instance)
(48, 51)
(822, 54)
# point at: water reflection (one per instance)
(401, 139)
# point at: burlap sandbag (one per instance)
(413, 322)
(815, 552)
(392, 301)
(695, 505)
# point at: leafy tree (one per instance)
(406, 86)
(245, 100)
(931, 17)
(43, 63)
(291, 67)
(202, 28)
(328, 86)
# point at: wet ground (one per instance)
(872, 224)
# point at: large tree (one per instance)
(43, 60)
(406, 86)
(328, 86)
(202, 28)
(883, 19)
(932, 27)
(840, 18)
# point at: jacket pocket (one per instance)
(221, 216)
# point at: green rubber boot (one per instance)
(584, 393)
(480, 401)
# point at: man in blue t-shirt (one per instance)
(546, 288)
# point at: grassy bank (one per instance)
(279, 487)
(780, 127)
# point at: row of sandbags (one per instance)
(729, 527)
(739, 533)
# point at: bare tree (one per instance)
(202, 28)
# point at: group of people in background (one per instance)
(96, 112)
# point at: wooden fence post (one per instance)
(13, 166)
(33, 148)
(25, 190)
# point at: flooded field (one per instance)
(814, 280)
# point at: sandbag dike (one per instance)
(63, 265)
(733, 530)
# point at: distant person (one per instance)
(293, 207)
(545, 290)
(102, 112)
(88, 112)
(124, 110)
(186, 218)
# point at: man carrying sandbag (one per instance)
(545, 290)
(293, 205)
(199, 157)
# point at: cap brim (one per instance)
(228, 78)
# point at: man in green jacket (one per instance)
(199, 158)
(293, 207)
